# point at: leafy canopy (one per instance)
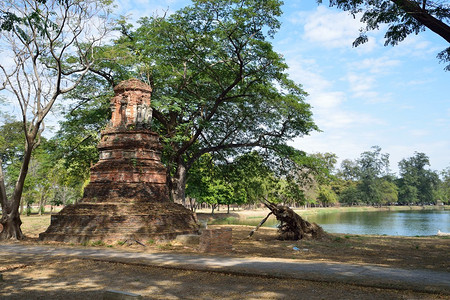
(218, 85)
(403, 18)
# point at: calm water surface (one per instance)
(405, 223)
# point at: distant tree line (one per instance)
(368, 180)
(364, 181)
(58, 175)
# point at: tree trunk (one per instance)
(42, 202)
(259, 225)
(414, 10)
(10, 209)
(2, 187)
(11, 226)
(177, 184)
(193, 204)
(292, 226)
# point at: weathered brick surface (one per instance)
(218, 240)
(130, 103)
(127, 197)
(97, 192)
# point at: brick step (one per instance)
(110, 238)
(147, 224)
(118, 209)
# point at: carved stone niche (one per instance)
(131, 105)
(127, 196)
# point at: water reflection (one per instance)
(405, 223)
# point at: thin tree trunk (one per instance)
(414, 10)
(177, 185)
(3, 199)
(11, 218)
(41, 204)
(259, 225)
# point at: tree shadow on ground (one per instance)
(40, 277)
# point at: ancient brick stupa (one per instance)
(127, 197)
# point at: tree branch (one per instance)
(414, 10)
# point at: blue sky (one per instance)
(394, 97)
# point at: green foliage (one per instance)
(389, 192)
(12, 141)
(444, 187)
(76, 141)
(47, 178)
(402, 17)
(350, 196)
(97, 243)
(218, 85)
(327, 196)
(349, 170)
(249, 178)
(372, 165)
(417, 184)
(369, 181)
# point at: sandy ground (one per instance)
(43, 278)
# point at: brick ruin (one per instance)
(217, 240)
(127, 197)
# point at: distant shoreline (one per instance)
(262, 212)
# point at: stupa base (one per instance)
(112, 222)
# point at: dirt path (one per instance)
(357, 274)
(39, 277)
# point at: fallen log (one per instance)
(292, 226)
(259, 225)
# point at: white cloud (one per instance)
(331, 28)
(361, 85)
(363, 96)
(417, 82)
(419, 132)
(327, 100)
(364, 77)
(433, 150)
(377, 65)
(136, 9)
(306, 72)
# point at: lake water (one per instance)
(405, 223)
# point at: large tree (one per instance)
(444, 187)
(417, 184)
(218, 86)
(39, 39)
(372, 167)
(403, 17)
